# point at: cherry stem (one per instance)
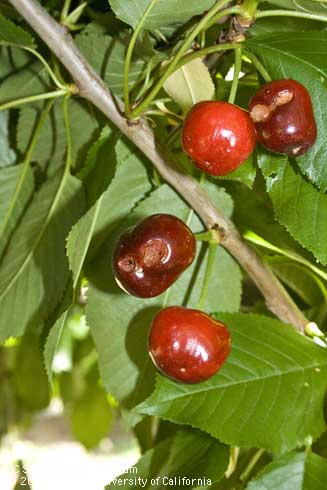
(208, 272)
(237, 70)
(32, 98)
(253, 461)
(205, 236)
(203, 24)
(199, 53)
(290, 13)
(259, 66)
(47, 67)
(129, 55)
(69, 158)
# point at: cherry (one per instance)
(283, 117)
(188, 345)
(149, 257)
(218, 136)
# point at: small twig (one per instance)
(92, 87)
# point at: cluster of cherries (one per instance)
(185, 344)
(220, 136)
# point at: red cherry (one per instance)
(188, 345)
(218, 136)
(283, 117)
(149, 257)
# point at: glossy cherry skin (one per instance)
(218, 136)
(283, 117)
(188, 345)
(149, 257)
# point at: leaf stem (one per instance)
(257, 240)
(32, 98)
(253, 461)
(200, 53)
(47, 67)
(129, 54)
(205, 51)
(209, 268)
(185, 46)
(204, 236)
(237, 70)
(290, 13)
(259, 66)
(69, 158)
(236, 9)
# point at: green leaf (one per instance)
(299, 206)
(245, 173)
(298, 278)
(78, 243)
(100, 165)
(190, 84)
(301, 57)
(315, 475)
(29, 374)
(121, 339)
(11, 34)
(311, 6)
(12, 60)
(56, 331)
(131, 181)
(129, 185)
(189, 454)
(24, 82)
(291, 25)
(253, 211)
(27, 275)
(294, 471)
(91, 416)
(7, 155)
(273, 371)
(164, 12)
(15, 193)
(107, 56)
(51, 146)
(80, 237)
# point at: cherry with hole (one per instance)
(188, 345)
(149, 257)
(283, 117)
(218, 136)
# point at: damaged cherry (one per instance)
(283, 117)
(149, 257)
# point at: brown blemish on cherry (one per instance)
(262, 112)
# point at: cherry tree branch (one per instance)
(92, 88)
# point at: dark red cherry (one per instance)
(188, 345)
(218, 136)
(149, 257)
(283, 117)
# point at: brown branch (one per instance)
(92, 88)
